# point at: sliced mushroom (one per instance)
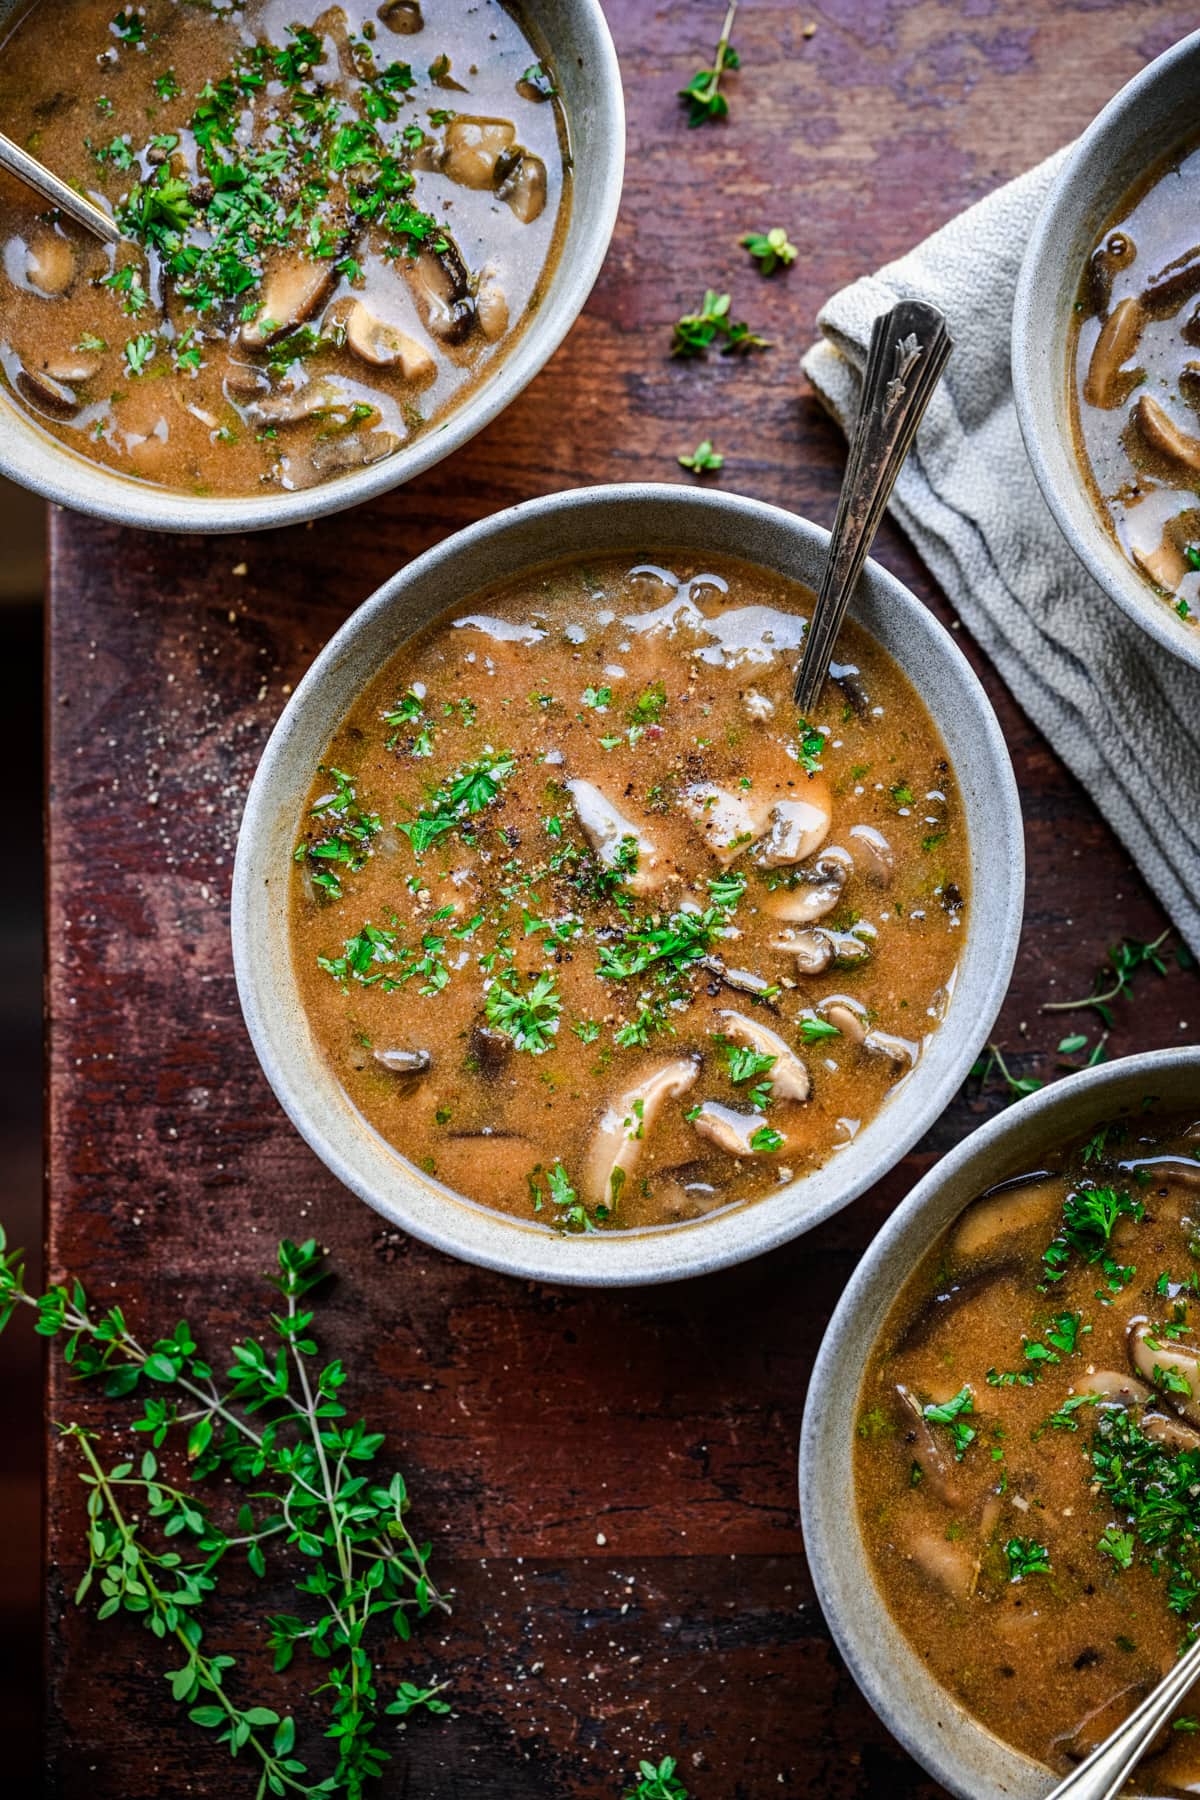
(816, 895)
(1156, 1358)
(474, 147)
(813, 950)
(991, 1228)
(849, 1016)
(1106, 384)
(946, 1563)
(873, 854)
(789, 1077)
(404, 1062)
(1162, 434)
(43, 391)
(402, 16)
(742, 981)
(607, 830)
(625, 1124)
(491, 1050)
(728, 1129)
(1166, 565)
(70, 366)
(756, 706)
(441, 291)
(848, 947)
(684, 1193)
(291, 405)
(901, 1052)
(352, 450)
(50, 264)
(798, 828)
(524, 188)
(1114, 254)
(245, 381)
(932, 1457)
(293, 288)
(1172, 1434)
(1115, 1385)
(1166, 292)
(729, 823)
(491, 306)
(1164, 1169)
(382, 344)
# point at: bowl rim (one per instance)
(828, 1424)
(1134, 597)
(700, 1247)
(67, 478)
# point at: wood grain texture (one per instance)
(609, 1479)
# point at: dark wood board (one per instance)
(609, 1478)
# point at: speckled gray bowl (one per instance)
(581, 52)
(955, 1749)
(598, 521)
(1147, 120)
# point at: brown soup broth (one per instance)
(1016, 1538)
(1135, 380)
(341, 218)
(739, 954)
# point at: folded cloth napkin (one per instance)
(1121, 712)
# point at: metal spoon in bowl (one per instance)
(909, 348)
(43, 181)
(1106, 1770)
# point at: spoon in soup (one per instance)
(909, 348)
(51, 187)
(1106, 1770)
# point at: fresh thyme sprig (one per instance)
(771, 250)
(1118, 969)
(703, 460)
(702, 96)
(1017, 1086)
(695, 332)
(657, 1781)
(276, 1430)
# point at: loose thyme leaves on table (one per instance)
(704, 460)
(770, 250)
(702, 96)
(313, 1499)
(695, 332)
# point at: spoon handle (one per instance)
(43, 181)
(1104, 1773)
(909, 348)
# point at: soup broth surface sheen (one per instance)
(338, 219)
(592, 930)
(1028, 1453)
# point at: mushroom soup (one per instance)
(339, 217)
(1135, 349)
(592, 929)
(1028, 1455)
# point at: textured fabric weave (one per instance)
(1122, 712)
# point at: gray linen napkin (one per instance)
(1122, 713)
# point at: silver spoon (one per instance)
(909, 348)
(1106, 1770)
(43, 181)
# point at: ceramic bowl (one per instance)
(581, 51)
(645, 521)
(958, 1751)
(1146, 121)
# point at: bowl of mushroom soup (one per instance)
(1000, 1442)
(567, 947)
(1103, 351)
(351, 235)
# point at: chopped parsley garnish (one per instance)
(529, 1018)
(598, 698)
(650, 705)
(538, 78)
(347, 844)
(813, 1030)
(453, 806)
(1118, 1545)
(766, 1140)
(810, 746)
(1153, 1491)
(1090, 1215)
(140, 352)
(1026, 1557)
(953, 1415)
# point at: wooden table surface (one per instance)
(608, 1478)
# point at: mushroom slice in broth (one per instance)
(625, 1124)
